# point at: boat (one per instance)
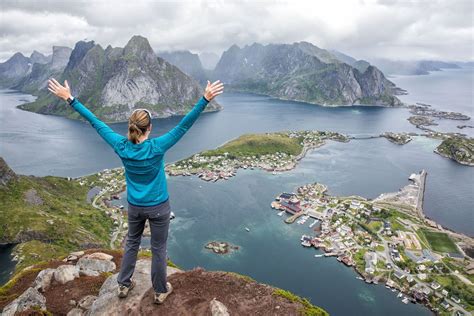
(394, 290)
(360, 278)
(313, 223)
(281, 213)
(318, 256)
(247, 229)
(306, 243)
(400, 295)
(405, 300)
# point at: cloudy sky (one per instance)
(405, 30)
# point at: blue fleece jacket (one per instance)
(144, 163)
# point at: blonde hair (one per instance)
(138, 123)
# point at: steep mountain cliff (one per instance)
(187, 62)
(14, 69)
(303, 72)
(209, 60)
(114, 81)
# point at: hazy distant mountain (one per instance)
(114, 81)
(304, 72)
(420, 67)
(37, 57)
(209, 60)
(360, 65)
(40, 73)
(187, 62)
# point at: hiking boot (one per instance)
(123, 290)
(161, 297)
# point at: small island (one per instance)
(420, 121)
(221, 247)
(397, 138)
(460, 149)
(274, 152)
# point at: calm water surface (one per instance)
(270, 252)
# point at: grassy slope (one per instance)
(259, 144)
(76, 223)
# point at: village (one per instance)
(412, 256)
(282, 151)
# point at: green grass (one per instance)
(457, 288)
(259, 144)
(439, 242)
(308, 308)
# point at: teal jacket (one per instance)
(144, 163)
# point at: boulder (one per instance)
(77, 253)
(218, 309)
(66, 273)
(99, 256)
(87, 301)
(76, 312)
(108, 302)
(94, 267)
(43, 279)
(31, 298)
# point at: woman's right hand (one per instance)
(213, 89)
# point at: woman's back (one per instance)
(144, 172)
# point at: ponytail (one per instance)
(138, 124)
(134, 133)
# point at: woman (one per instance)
(147, 193)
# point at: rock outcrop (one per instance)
(6, 173)
(303, 72)
(195, 292)
(114, 81)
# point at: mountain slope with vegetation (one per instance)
(114, 81)
(303, 72)
(47, 217)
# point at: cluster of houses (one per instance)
(337, 236)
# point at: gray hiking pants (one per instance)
(159, 219)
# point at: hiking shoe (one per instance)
(161, 297)
(123, 290)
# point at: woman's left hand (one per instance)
(63, 92)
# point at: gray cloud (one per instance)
(437, 29)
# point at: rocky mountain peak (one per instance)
(6, 173)
(60, 57)
(80, 50)
(138, 46)
(37, 57)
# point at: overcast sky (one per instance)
(407, 30)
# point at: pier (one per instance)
(293, 217)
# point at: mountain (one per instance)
(40, 73)
(303, 72)
(209, 60)
(37, 57)
(187, 62)
(360, 65)
(419, 67)
(14, 69)
(114, 81)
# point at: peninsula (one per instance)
(388, 240)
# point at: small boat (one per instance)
(281, 213)
(360, 278)
(247, 229)
(318, 256)
(400, 295)
(394, 290)
(405, 300)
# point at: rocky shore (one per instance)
(221, 247)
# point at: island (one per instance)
(398, 138)
(221, 247)
(460, 149)
(388, 240)
(274, 152)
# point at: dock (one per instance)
(292, 218)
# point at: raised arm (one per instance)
(167, 140)
(64, 92)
